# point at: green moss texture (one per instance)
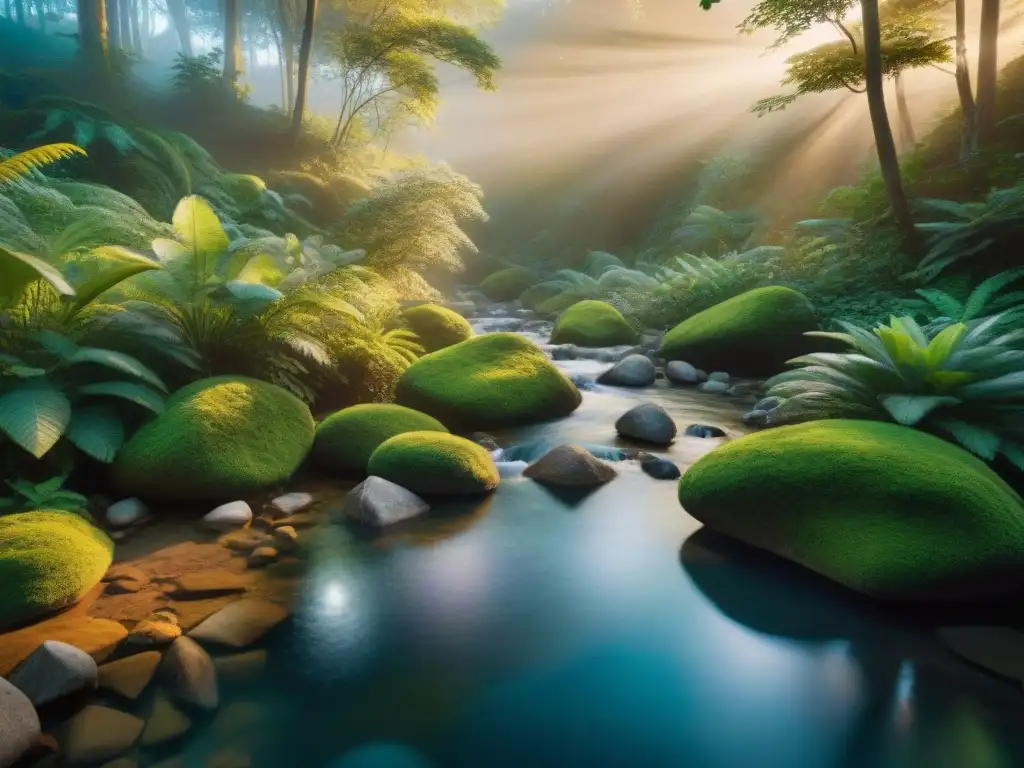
(48, 560)
(346, 439)
(592, 324)
(494, 380)
(886, 510)
(752, 334)
(507, 284)
(435, 463)
(437, 327)
(218, 438)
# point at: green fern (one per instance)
(18, 166)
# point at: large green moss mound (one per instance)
(218, 438)
(346, 439)
(494, 380)
(592, 324)
(752, 334)
(883, 509)
(507, 284)
(437, 327)
(48, 560)
(435, 463)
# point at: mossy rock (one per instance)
(886, 510)
(219, 438)
(535, 295)
(507, 284)
(494, 380)
(325, 205)
(592, 324)
(752, 334)
(346, 439)
(435, 463)
(559, 303)
(49, 559)
(437, 327)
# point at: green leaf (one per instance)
(19, 270)
(169, 250)
(200, 231)
(942, 346)
(1009, 387)
(1014, 452)
(97, 431)
(34, 415)
(908, 410)
(942, 301)
(128, 264)
(117, 361)
(978, 440)
(57, 343)
(127, 390)
(947, 380)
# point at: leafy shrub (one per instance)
(49, 494)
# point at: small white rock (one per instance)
(379, 502)
(227, 517)
(126, 512)
(53, 671)
(291, 503)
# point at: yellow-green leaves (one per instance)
(942, 346)
(19, 270)
(200, 231)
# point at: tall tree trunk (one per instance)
(41, 14)
(92, 33)
(179, 17)
(232, 41)
(136, 32)
(8, 10)
(144, 31)
(968, 109)
(884, 143)
(113, 22)
(988, 51)
(305, 49)
(288, 43)
(19, 6)
(907, 137)
(280, 68)
(124, 15)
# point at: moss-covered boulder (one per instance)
(435, 463)
(752, 334)
(507, 284)
(494, 380)
(346, 439)
(218, 438)
(48, 560)
(886, 510)
(592, 324)
(437, 327)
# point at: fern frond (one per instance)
(14, 168)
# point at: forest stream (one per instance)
(531, 630)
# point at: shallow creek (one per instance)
(527, 631)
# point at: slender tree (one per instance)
(92, 34)
(988, 50)
(179, 18)
(232, 41)
(19, 6)
(968, 108)
(112, 14)
(134, 23)
(124, 15)
(288, 44)
(305, 51)
(41, 15)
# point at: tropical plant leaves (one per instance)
(19, 270)
(978, 440)
(199, 230)
(117, 361)
(908, 410)
(97, 431)
(34, 415)
(127, 390)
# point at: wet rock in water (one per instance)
(703, 430)
(381, 754)
(713, 387)
(743, 389)
(126, 512)
(658, 468)
(97, 637)
(53, 671)
(154, 632)
(719, 376)
(286, 539)
(631, 371)
(129, 676)
(99, 733)
(570, 466)
(19, 724)
(290, 503)
(228, 517)
(123, 579)
(511, 468)
(485, 441)
(240, 624)
(767, 403)
(755, 418)
(997, 649)
(648, 422)
(245, 540)
(701, 376)
(379, 502)
(464, 308)
(241, 667)
(535, 449)
(262, 556)
(166, 723)
(583, 382)
(190, 674)
(203, 584)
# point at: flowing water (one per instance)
(528, 631)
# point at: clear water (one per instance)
(526, 631)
